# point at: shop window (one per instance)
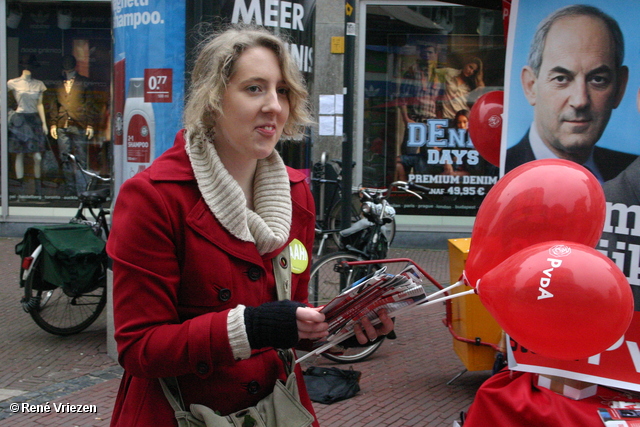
(59, 77)
(425, 66)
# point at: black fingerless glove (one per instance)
(272, 324)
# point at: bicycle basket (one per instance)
(73, 257)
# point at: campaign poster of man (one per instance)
(421, 83)
(572, 80)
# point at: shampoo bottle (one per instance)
(139, 130)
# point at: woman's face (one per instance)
(470, 69)
(255, 107)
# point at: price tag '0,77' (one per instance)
(158, 85)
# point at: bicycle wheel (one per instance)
(58, 312)
(326, 282)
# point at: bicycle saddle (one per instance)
(94, 197)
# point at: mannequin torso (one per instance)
(27, 92)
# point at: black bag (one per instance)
(24, 249)
(329, 385)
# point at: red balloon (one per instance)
(485, 125)
(559, 299)
(539, 201)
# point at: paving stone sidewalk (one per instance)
(403, 384)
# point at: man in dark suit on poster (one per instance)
(574, 78)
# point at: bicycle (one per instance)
(365, 240)
(326, 180)
(69, 309)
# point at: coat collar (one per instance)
(204, 223)
(174, 166)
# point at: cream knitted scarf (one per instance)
(268, 225)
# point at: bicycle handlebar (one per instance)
(85, 171)
(407, 187)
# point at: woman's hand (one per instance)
(311, 324)
(366, 332)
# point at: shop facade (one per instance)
(413, 102)
(389, 66)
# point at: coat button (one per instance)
(253, 387)
(202, 368)
(254, 274)
(224, 295)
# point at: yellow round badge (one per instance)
(299, 256)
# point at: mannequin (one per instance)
(72, 115)
(27, 124)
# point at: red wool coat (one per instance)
(177, 273)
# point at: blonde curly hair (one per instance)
(215, 64)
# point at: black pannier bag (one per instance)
(329, 385)
(24, 249)
(72, 257)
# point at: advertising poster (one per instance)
(149, 67)
(293, 19)
(580, 102)
(424, 72)
(149, 61)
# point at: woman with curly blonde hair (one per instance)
(195, 237)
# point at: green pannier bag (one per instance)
(72, 257)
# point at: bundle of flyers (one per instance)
(621, 414)
(395, 293)
(612, 417)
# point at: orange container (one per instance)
(467, 318)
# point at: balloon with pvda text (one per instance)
(551, 295)
(529, 206)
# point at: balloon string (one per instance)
(447, 289)
(326, 346)
(448, 297)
